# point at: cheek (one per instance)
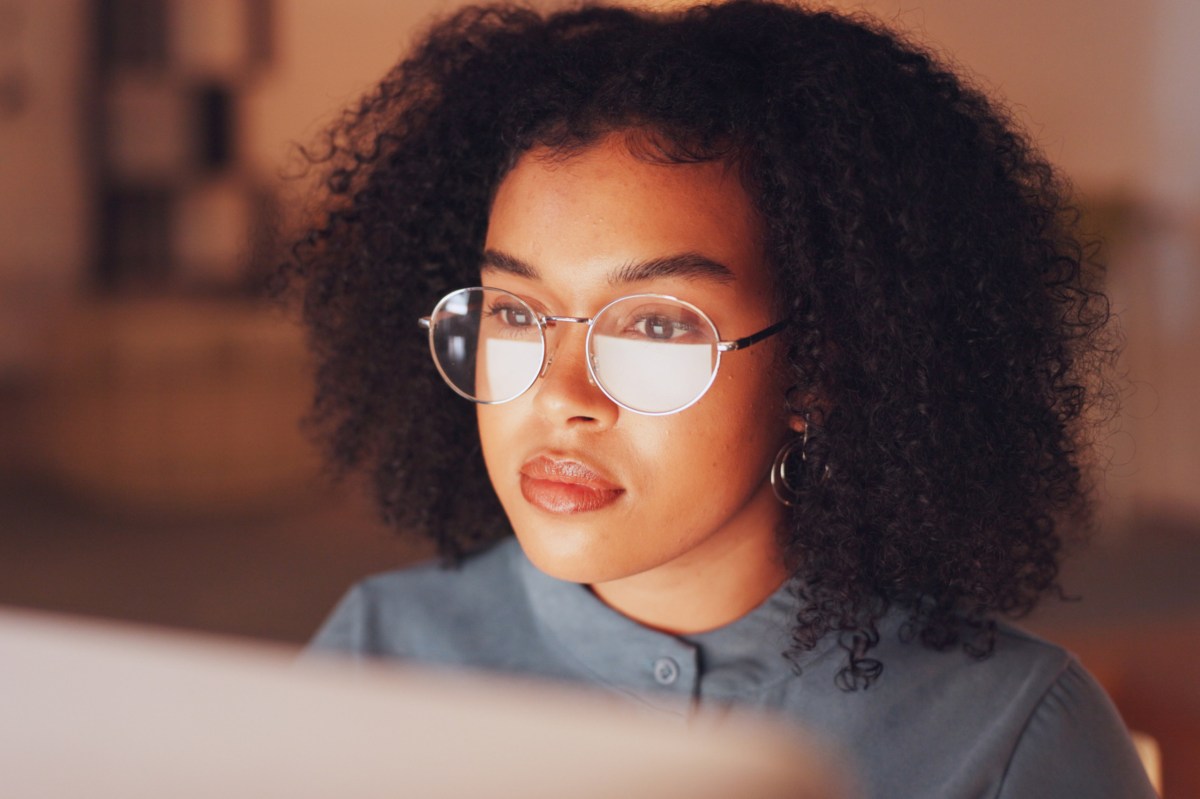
(721, 446)
(497, 431)
(751, 390)
(751, 414)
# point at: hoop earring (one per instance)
(785, 491)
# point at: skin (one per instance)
(689, 543)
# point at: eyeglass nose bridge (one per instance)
(549, 321)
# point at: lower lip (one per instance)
(554, 497)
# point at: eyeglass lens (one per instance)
(650, 354)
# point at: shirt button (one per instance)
(666, 671)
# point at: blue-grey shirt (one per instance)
(1026, 722)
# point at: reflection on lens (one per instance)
(507, 368)
(653, 354)
(486, 343)
(652, 377)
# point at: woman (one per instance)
(777, 345)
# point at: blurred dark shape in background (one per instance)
(177, 204)
(152, 465)
(151, 462)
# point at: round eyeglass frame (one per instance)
(545, 321)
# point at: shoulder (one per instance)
(948, 688)
(1010, 681)
(1028, 720)
(432, 613)
(1074, 743)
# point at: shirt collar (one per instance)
(666, 671)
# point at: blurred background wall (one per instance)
(150, 463)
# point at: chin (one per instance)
(562, 555)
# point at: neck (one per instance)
(734, 572)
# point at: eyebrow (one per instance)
(688, 265)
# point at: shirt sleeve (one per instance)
(1075, 744)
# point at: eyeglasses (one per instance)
(649, 353)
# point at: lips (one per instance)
(564, 486)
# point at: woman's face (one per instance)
(598, 494)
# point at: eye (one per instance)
(512, 315)
(657, 327)
(660, 327)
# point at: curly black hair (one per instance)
(945, 320)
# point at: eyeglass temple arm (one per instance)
(425, 322)
(754, 338)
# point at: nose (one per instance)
(566, 392)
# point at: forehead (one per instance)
(603, 207)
